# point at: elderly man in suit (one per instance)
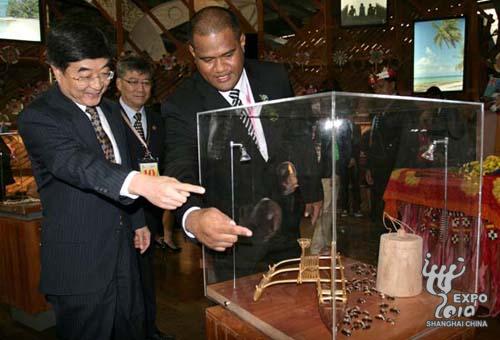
(145, 134)
(78, 150)
(225, 79)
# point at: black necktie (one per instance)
(245, 119)
(234, 94)
(102, 137)
(138, 125)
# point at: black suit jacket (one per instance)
(286, 140)
(195, 95)
(80, 193)
(155, 138)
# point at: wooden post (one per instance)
(105, 14)
(402, 81)
(260, 28)
(328, 34)
(119, 28)
(282, 13)
(473, 67)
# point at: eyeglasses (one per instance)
(135, 82)
(103, 77)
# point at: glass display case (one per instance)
(396, 183)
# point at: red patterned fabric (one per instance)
(416, 196)
(426, 187)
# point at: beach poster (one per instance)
(438, 54)
(20, 20)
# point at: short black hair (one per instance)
(213, 19)
(134, 63)
(73, 41)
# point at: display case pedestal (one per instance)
(291, 312)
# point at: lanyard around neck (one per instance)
(143, 142)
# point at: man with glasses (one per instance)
(145, 134)
(78, 150)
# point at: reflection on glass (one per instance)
(373, 154)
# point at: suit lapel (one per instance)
(212, 99)
(71, 111)
(256, 83)
(114, 118)
(151, 122)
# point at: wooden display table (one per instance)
(416, 197)
(291, 312)
(223, 324)
(20, 264)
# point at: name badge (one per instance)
(149, 168)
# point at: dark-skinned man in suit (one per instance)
(217, 45)
(77, 146)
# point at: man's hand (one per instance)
(214, 229)
(313, 209)
(368, 177)
(142, 238)
(164, 192)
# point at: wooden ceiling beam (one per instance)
(247, 27)
(420, 9)
(105, 14)
(153, 17)
(282, 13)
(190, 6)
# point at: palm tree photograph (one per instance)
(438, 55)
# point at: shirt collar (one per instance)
(82, 107)
(130, 112)
(245, 91)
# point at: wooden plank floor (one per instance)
(181, 303)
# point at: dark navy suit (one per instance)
(155, 137)
(87, 255)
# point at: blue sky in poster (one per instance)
(431, 60)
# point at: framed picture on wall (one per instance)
(363, 12)
(439, 54)
(21, 20)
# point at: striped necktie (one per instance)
(138, 125)
(102, 137)
(234, 94)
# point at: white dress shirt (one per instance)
(246, 97)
